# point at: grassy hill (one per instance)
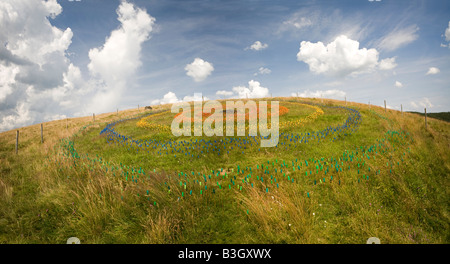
(445, 116)
(339, 174)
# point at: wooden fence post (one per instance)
(346, 101)
(42, 133)
(93, 117)
(425, 117)
(401, 108)
(17, 141)
(384, 105)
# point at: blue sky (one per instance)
(72, 58)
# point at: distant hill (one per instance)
(445, 116)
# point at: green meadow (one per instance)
(350, 172)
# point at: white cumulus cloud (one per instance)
(38, 81)
(199, 69)
(117, 60)
(21, 116)
(258, 46)
(398, 84)
(168, 98)
(340, 57)
(433, 70)
(446, 36)
(387, 64)
(254, 90)
(32, 57)
(7, 80)
(171, 98)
